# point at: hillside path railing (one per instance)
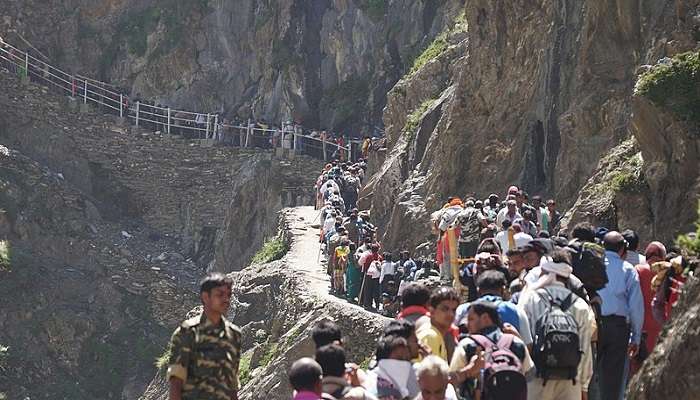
(189, 124)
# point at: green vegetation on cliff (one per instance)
(244, 372)
(439, 44)
(272, 250)
(628, 178)
(674, 86)
(413, 120)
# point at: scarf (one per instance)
(413, 310)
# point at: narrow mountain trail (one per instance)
(304, 254)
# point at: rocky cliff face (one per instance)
(277, 304)
(669, 371)
(85, 307)
(326, 63)
(104, 233)
(533, 94)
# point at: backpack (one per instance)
(588, 262)
(470, 227)
(503, 378)
(557, 350)
(339, 394)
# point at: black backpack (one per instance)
(557, 348)
(588, 262)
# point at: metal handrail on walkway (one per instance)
(194, 125)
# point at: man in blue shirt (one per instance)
(622, 317)
(491, 286)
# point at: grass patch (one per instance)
(271, 353)
(628, 178)
(244, 371)
(624, 181)
(674, 86)
(440, 44)
(272, 250)
(691, 242)
(436, 48)
(415, 117)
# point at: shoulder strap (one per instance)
(564, 303)
(505, 341)
(567, 302)
(483, 341)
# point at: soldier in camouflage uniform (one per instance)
(205, 350)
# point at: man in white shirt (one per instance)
(510, 213)
(538, 300)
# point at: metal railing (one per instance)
(189, 124)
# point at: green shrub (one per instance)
(436, 48)
(691, 242)
(273, 249)
(628, 177)
(674, 86)
(624, 181)
(244, 372)
(414, 118)
(439, 44)
(271, 353)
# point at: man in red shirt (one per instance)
(655, 252)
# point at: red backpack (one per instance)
(503, 378)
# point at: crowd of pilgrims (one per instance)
(510, 307)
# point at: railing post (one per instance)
(350, 151)
(85, 93)
(207, 134)
(247, 135)
(216, 127)
(121, 105)
(138, 104)
(26, 65)
(241, 136)
(168, 120)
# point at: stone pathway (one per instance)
(304, 255)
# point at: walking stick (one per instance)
(317, 217)
(362, 288)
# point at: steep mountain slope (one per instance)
(277, 305)
(327, 62)
(104, 233)
(526, 93)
